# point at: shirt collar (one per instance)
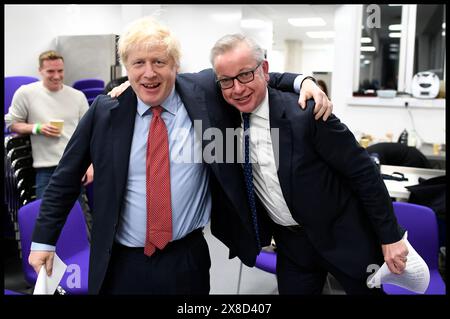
(169, 104)
(262, 111)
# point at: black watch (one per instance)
(311, 78)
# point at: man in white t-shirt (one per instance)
(33, 107)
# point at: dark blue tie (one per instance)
(248, 174)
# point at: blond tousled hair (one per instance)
(146, 33)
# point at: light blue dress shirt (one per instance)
(191, 199)
(189, 178)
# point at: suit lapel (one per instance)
(282, 153)
(122, 128)
(228, 175)
(194, 100)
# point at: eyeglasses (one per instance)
(244, 77)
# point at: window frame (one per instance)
(407, 45)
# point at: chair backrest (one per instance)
(12, 83)
(92, 92)
(12, 293)
(421, 224)
(13, 141)
(88, 84)
(399, 154)
(267, 261)
(19, 151)
(73, 237)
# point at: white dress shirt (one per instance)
(265, 177)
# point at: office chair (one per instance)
(20, 151)
(399, 154)
(420, 222)
(92, 93)
(88, 83)
(72, 247)
(22, 162)
(12, 83)
(12, 293)
(26, 173)
(13, 141)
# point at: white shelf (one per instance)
(397, 102)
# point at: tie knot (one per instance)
(157, 110)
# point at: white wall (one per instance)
(377, 121)
(32, 29)
(317, 58)
(198, 28)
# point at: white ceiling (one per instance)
(282, 30)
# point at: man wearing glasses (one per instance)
(324, 200)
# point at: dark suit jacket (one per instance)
(104, 137)
(332, 187)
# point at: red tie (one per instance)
(159, 209)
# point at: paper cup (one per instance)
(58, 123)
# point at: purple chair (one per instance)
(83, 84)
(421, 224)
(12, 293)
(267, 261)
(92, 93)
(12, 83)
(72, 247)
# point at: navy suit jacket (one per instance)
(103, 137)
(332, 187)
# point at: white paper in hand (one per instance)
(46, 285)
(415, 277)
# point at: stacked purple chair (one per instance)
(90, 87)
(12, 83)
(72, 247)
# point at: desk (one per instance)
(397, 189)
(436, 160)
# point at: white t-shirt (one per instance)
(34, 103)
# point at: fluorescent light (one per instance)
(225, 16)
(366, 40)
(394, 45)
(395, 5)
(443, 25)
(320, 34)
(366, 61)
(395, 27)
(307, 22)
(443, 33)
(395, 34)
(393, 49)
(362, 56)
(252, 23)
(368, 49)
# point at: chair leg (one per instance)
(239, 279)
(329, 284)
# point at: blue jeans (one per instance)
(43, 176)
(42, 179)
